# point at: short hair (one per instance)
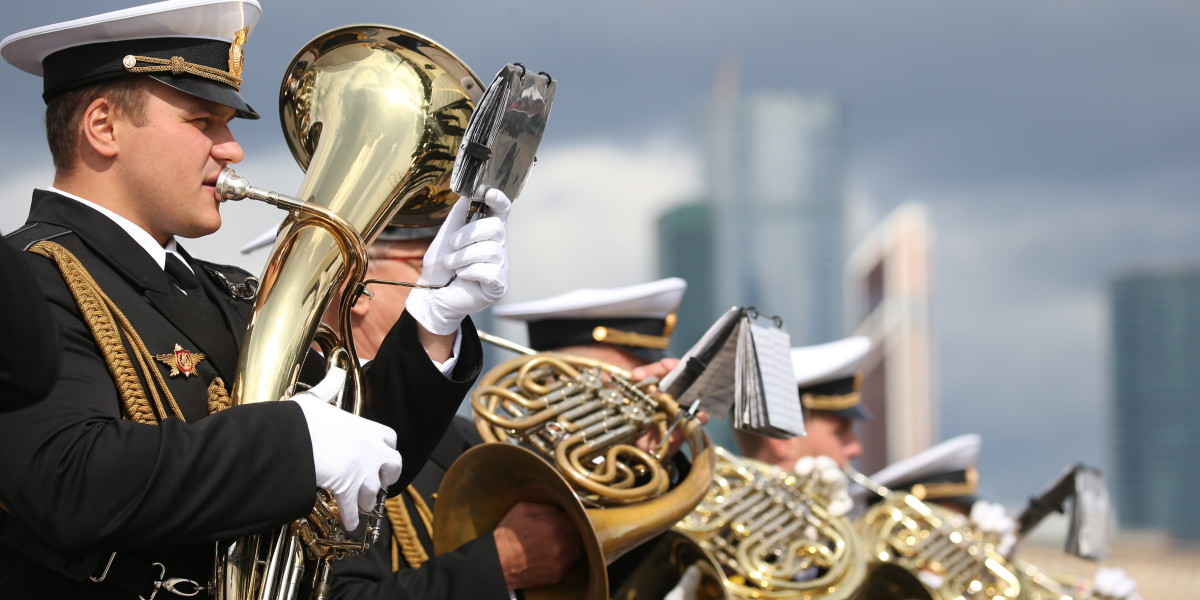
(65, 111)
(380, 249)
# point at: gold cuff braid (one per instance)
(177, 65)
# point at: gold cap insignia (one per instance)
(236, 57)
(181, 361)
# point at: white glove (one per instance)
(686, 588)
(477, 253)
(354, 457)
(1111, 582)
(993, 520)
(829, 481)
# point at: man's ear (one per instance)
(361, 307)
(98, 128)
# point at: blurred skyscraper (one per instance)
(776, 196)
(770, 230)
(1156, 399)
(889, 288)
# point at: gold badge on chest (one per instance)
(182, 362)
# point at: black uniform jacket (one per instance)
(29, 343)
(469, 573)
(78, 479)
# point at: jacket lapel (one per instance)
(210, 335)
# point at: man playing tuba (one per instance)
(117, 483)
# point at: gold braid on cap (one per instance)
(948, 489)
(177, 65)
(832, 402)
(608, 335)
(829, 402)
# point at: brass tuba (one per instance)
(774, 535)
(921, 550)
(375, 116)
(562, 430)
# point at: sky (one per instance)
(1053, 143)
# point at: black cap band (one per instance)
(89, 64)
(560, 333)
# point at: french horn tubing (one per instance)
(773, 534)
(920, 550)
(562, 429)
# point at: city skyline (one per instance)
(1053, 143)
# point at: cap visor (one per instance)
(209, 90)
(854, 413)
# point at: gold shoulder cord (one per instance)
(404, 537)
(108, 324)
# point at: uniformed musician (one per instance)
(118, 482)
(827, 376)
(534, 543)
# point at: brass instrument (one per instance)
(772, 532)
(919, 551)
(567, 427)
(375, 115)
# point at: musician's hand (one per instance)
(536, 543)
(649, 441)
(354, 457)
(476, 252)
(657, 369)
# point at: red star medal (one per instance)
(181, 361)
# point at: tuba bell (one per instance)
(774, 535)
(374, 115)
(561, 429)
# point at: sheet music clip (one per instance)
(742, 366)
(501, 140)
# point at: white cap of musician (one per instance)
(637, 318)
(827, 376)
(194, 46)
(944, 472)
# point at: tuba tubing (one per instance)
(375, 115)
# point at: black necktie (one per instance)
(182, 276)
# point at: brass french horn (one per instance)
(919, 550)
(561, 429)
(774, 535)
(375, 115)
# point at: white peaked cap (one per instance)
(653, 300)
(211, 19)
(830, 361)
(955, 455)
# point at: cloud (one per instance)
(587, 215)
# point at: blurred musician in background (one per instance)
(827, 376)
(946, 475)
